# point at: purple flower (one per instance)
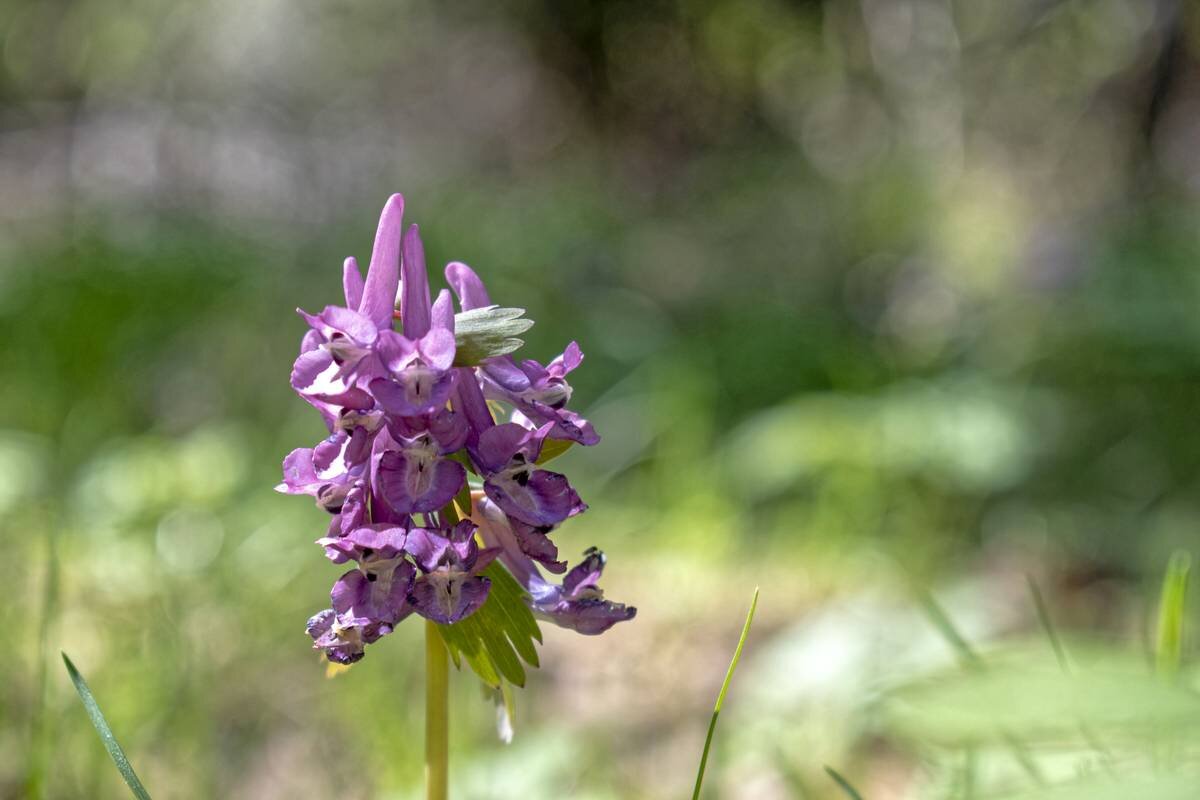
(353, 513)
(345, 335)
(377, 591)
(417, 377)
(508, 455)
(328, 471)
(342, 637)
(578, 603)
(367, 601)
(326, 386)
(411, 471)
(540, 393)
(450, 586)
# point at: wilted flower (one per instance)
(409, 418)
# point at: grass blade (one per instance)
(106, 734)
(940, 620)
(1171, 611)
(1043, 615)
(712, 723)
(850, 791)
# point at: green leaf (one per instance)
(486, 332)
(498, 649)
(1171, 612)
(712, 723)
(106, 735)
(463, 646)
(496, 638)
(520, 626)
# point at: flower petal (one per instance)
(570, 359)
(298, 472)
(499, 443)
(414, 391)
(319, 380)
(334, 320)
(590, 617)
(538, 546)
(468, 399)
(545, 498)
(467, 285)
(505, 372)
(383, 276)
(448, 598)
(586, 574)
(387, 540)
(437, 349)
(414, 298)
(352, 283)
(442, 314)
(413, 485)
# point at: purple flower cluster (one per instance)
(406, 426)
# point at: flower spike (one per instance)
(407, 425)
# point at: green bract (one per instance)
(482, 333)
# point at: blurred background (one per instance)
(878, 297)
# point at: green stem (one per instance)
(712, 723)
(437, 714)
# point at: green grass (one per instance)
(712, 723)
(106, 735)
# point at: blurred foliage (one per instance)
(874, 295)
(1092, 722)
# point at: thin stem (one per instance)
(712, 723)
(437, 714)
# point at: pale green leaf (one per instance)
(483, 333)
